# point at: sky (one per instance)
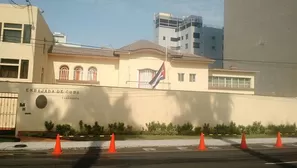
(116, 23)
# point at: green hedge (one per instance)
(157, 128)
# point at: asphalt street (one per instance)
(167, 157)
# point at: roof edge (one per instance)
(233, 70)
(84, 55)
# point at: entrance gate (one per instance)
(8, 110)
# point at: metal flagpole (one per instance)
(166, 59)
(166, 50)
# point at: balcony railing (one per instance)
(77, 77)
(146, 85)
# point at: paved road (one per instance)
(166, 157)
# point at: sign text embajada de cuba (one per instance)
(59, 91)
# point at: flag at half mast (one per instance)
(158, 77)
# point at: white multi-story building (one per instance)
(188, 35)
(60, 37)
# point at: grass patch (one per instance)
(131, 137)
(157, 137)
(149, 137)
(160, 137)
(163, 137)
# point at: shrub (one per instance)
(197, 130)
(129, 130)
(87, 129)
(49, 125)
(255, 128)
(233, 129)
(157, 128)
(185, 129)
(241, 129)
(206, 129)
(97, 129)
(81, 126)
(171, 129)
(65, 129)
(289, 128)
(152, 126)
(221, 129)
(117, 128)
(273, 129)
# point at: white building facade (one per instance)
(188, 35)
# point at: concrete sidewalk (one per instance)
(138, 143)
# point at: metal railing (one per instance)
(77, 75)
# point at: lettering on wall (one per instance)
(65, 93)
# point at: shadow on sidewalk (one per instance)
(259, 155)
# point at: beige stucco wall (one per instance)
(130, 65)
(138, 106)
(201, 71)
(44, 40)
(124, 72)
(33, 51)
(107, 69)
(10, 14)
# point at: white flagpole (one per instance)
(166, 51)
(166, 72)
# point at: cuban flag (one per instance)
(158, 77)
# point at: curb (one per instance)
(43, 151)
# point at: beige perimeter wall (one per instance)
(138, 106)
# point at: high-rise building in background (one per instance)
(59, 37)
(213, 39)
(261, 35)
(188, 35)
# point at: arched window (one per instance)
(145, 76)
(92, 74)
(78, 73)
(64, 72)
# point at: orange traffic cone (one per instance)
(279, 143)
(57, 150)
(243, 144)
(112, 148)
(202, 146)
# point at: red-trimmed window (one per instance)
(92, 74)
(78, 73)
(64, 72)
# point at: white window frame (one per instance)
(179, 76)
(192, 77)
(16, 65)
(8, 28)
(234, 82)
(91, 72)
(140, 82)
(66, 70)
(81, 75)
